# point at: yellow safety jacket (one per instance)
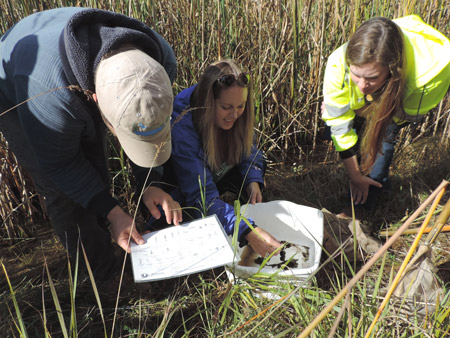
(427, 80)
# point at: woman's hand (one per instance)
(254, 193)
(359, 183)
(262, 242)
(154, 196)
(359, 188)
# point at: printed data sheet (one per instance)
(181, 250)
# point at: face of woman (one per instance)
(369, 77)
(229, 106)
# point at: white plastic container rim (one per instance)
(286, 221)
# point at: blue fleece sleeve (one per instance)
(193, 177)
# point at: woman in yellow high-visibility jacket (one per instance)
(390, 73)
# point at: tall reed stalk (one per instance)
(284, 44)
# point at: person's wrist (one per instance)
(114, 213)
(353, 171)
(249, 235)
(243, 238)
(148, 192)
(354, 175)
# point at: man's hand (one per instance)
(154, 196)
(262, 242)
(122, 228)
(254, 192)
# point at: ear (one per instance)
(94, 96)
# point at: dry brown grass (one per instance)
(284, 44)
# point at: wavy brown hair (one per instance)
(220, 145)
(378, 40)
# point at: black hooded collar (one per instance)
(92, 33)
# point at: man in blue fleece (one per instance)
(98, 70)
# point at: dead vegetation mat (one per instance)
(417, 170)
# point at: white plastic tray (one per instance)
(289, 222)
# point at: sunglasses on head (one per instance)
(228, 79)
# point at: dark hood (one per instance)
(92, 33)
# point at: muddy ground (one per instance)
(317, 182)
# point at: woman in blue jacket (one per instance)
(213, 149)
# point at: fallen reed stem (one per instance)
(369, 264)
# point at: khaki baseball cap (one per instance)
(134, 94)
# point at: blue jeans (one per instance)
(380, 169)
(72, 223)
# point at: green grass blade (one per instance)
(59, 312)
(22, 330)
(96, 293)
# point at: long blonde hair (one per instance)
(220, 145)
(378, 40)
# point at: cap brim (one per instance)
(147, 154)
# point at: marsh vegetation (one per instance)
(284, 44)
